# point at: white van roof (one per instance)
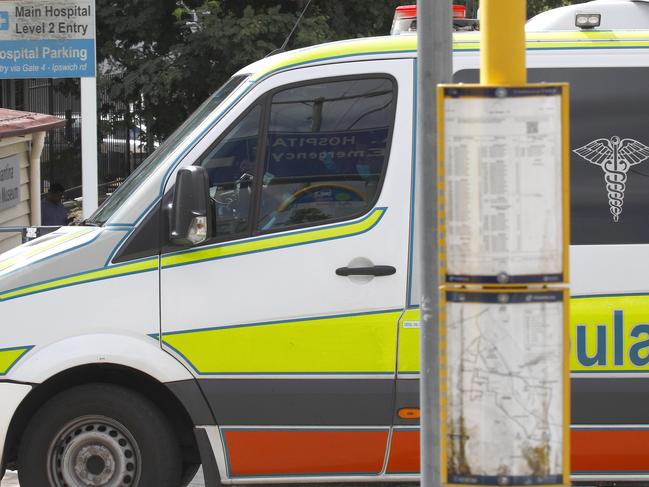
(615, 15)
(406, 46)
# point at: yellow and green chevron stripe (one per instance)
(409, 342)
(346, 344)
(273, 242)
(461, 42)
(608, 333)
(46, 245)
(201, 254)
(10, 356)
(95, 275)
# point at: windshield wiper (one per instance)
(88, 223)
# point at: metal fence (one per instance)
(122, 143)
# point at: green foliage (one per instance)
(166, 56)
(537, 6)
(164, 59)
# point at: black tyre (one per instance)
(189, 473)
(99, 435)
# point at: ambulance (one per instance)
(248, 299)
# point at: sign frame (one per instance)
(521, 280)
(566, 377)
(87, 77)
(48, 39)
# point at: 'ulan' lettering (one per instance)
(594, 349)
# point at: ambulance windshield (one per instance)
(151, 163)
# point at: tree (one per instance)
(164, 57)
(133, 37)
(537, 6)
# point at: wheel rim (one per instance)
(94, 451)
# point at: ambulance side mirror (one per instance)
(188, 218)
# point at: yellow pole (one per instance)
(502, 51)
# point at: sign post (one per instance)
(506, 240)
(56, 39)
(89, 177)
(434, 66)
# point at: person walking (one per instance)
(53, 213)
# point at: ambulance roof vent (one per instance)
(596, 15)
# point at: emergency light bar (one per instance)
(405, 20)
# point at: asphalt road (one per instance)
(11, 480)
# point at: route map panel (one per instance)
(505, 387)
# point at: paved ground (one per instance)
(11, 480)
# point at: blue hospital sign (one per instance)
(47, 38)
(4, 20)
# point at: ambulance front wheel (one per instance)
(99, 435)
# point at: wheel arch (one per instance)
(181, 402)
(139, 352)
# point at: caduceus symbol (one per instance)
(615, 156)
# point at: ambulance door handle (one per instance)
(377, 270)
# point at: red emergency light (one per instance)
(405, 18)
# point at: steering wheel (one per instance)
(337, 193)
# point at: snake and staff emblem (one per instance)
(615, 156)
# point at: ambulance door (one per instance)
(288, 316)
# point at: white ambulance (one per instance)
(246, 299)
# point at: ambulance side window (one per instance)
(230, 164)
(327, 151)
